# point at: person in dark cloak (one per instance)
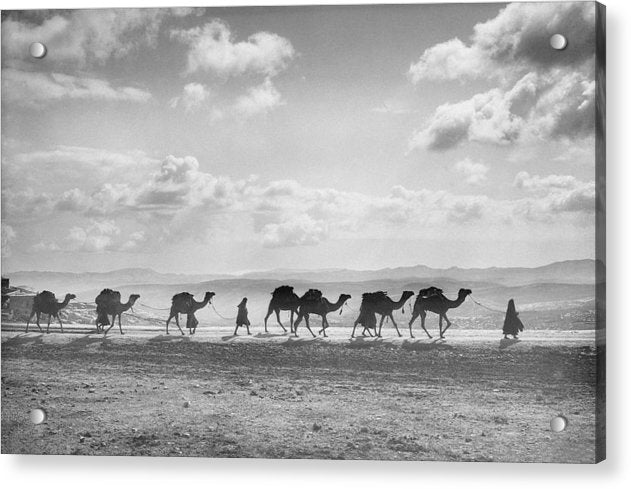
(512, 323)
(242, 316)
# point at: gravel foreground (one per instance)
(470, 397)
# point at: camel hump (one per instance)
(430, 291)
(283, 290)
(46, 295)
(182, 296)
(312, 295)
(107, 296)
(374, 296)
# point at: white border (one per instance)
(51, 472)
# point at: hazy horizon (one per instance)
(217, 140)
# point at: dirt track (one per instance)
(470, 397)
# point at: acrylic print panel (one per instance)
(336, 232)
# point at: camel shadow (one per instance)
(85, 341)
(25, 339)
(506, 342)
(426, 345)
(179, 338)
(270, 335)
(364, 342)
(293, 341)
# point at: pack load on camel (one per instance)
(106, 302)
(186, 301)
(283, 290)
(368, 310)
(430, 292)
(311, 295)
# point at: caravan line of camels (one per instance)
(431, 299)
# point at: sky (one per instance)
(223, 140)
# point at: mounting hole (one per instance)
(38, 416)
(558, 424)
(37, 50)
(558, 41)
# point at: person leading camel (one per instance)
(512, 323)
(242, 316)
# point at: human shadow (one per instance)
(364, 342)
(506, 342)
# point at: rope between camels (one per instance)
(222, 317)
(155, 308)
(485, 307)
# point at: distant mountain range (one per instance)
(566, 272)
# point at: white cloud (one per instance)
(299, 230)
(513, 43)
(33, 88)
(554, 194)
(474, 173)
(213, 49)
(193, 96)
(542, 93)
(86, 36)
(258, 100)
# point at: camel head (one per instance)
(70, 297)
(407, 294)
(464, 292)
(344, 297)
(133, 298)
(208, 296)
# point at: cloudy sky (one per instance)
(233, 139)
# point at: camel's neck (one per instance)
(199, 305)
(61, 305)
(455, 303)
(336, 306)
(128, 304)
(399, 304)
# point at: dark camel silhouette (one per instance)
(313, 303)
(283, 299)
(46, 303)
(438, 304)
(380, 303)
(108, 304)
(185, 303)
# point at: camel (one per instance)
(283, 299)
(380, 303)
(108, 303)
(313, 303)
(437, 303)
(185, 303)
(46, 303)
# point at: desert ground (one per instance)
(470, 397)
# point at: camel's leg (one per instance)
(415, 314)
(177, 322)
(119, 323)
(278, 319)
(395, 325)
(423, 316)
(48, 327)
(367, 330)
(176, 316)
(291, 321)
(270, 309)
(307, 324)
(247, 325)
(440, 325)
(325, 324)
(446, 327)
(33, 313)
(353, 333)
(60, 325)
(298, 319)
(383, 317)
